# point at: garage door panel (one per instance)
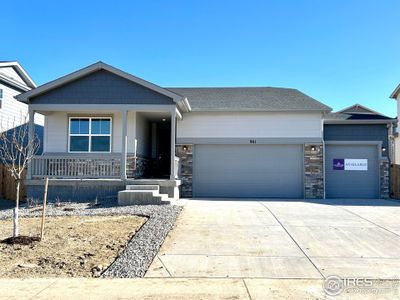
(248, 171)
(352, 184)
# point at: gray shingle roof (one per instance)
(249, 99)
(345, 116)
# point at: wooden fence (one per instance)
(8, 185)
(395, 181)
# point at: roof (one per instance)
(249, 99)
(30, 84)
(358, 109)
(395, 93)
(181, 101)
(357, 113)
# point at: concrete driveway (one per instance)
(283, 239)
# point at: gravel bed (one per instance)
(140, 250)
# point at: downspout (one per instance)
(391, 154)
(323, 156)
(323, 165)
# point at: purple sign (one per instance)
(338, 164)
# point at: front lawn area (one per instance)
(73, 246)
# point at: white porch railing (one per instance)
(76, 166)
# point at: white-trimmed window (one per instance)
(89, 134)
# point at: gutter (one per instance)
(14, 84)
(377, 121)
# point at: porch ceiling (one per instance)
(156, 116)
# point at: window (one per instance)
(90, 134)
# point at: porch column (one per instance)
(173, 129)
(31, 133)
(124, 151)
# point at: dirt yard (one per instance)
(74, 246)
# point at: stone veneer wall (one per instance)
(384, 179)
(185, 154)
(140, 170)
(314, 171)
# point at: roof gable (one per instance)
(360, 109)
(395, 93)
(101, 87)
(357, 113)
(12, 73)
(151, 90)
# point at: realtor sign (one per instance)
(350, 164)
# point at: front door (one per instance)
(161, 160)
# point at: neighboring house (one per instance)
(396, 95)
(13, 113)
(108, 131)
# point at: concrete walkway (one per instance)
(282, 239)
(180, 288)
(255, 250)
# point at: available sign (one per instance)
(350, 164)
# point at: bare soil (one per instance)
(73, 246)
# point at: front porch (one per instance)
(104, 130)
(141, 153)
(95, 144)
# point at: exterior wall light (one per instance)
(383, 149)
(184, 148)
(313, 148)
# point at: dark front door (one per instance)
(162, 161)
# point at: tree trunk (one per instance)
(16, 209)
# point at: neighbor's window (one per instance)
(90, 134)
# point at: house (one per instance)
(109, 132)
(13, 81)
(396, 96)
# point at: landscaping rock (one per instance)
(140, 251)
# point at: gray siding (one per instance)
(357, 132)
(102, 87)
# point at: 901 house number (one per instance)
(253, 141)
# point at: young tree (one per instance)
(17, 149)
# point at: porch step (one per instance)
(142, 195)
(152, 187)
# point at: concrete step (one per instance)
(142, 197)
(152, 187)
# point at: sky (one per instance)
(340, 52)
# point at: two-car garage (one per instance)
(248, 171)
(277, 171)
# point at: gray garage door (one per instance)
(360, 179)
(270, 171)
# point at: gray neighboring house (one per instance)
(109, 132)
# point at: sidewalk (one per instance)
(171, 288)
(175, 288)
